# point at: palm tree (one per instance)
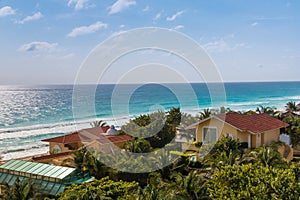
(86, 160)
(98, 123)
(249, 112)
(223, 110)
(291, 106)
(267, 156)
(186, 120)
(205, 114)
(266, 109)
(138, 146)
(21, 190)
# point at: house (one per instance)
(255, 129)
(86, 137)
(50, 178)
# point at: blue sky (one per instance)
(44, 42)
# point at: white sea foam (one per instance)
(22, 136)
(28, 152)
(64, 127)
(287, 98)
(249, 103)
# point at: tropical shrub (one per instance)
(253, 182)
(99, 189)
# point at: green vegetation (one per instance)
(229, 170)
(158, 128)
(253, 182)
(99, 189)
(99, 123)
(21, 190)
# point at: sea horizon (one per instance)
(137, 83)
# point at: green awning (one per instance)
(49, 178)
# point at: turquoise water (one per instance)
(31, 113)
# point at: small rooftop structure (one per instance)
(112, 130)
(51, 179)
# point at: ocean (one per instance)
(29, 114)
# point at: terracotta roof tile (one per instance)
(65, 139)
(75, 137)
(119, 138)
(256, 123)
(87, 135)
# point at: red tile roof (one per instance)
(65, 139)
(256, 123)
(119, 138)
(89, 134)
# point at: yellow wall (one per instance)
(63, 147)
(102, 148)
(106, 148)
(60, 145)
(271, 136)
(243, 136)
(223, 129)
(56, 160)
(253, 141)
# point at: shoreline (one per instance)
(35, 149)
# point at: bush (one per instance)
(254, 182)
(99, 189)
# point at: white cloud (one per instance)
(38, 46)
(157, 16)
(120, 5)
(82, 30)
(254, 24)
(278, 18)
(122, 26)
(6, 10)
(173, 17)
(146, 9)
(219, 46)
(33, 17)
(79, 4)
(178, 27)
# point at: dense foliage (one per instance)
(99, 189)
(224, 170)
(159, 128)
(22, 190)
(253, 182)
(227, 172)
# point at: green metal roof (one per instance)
(51, 179)
(47, 186)
(37, 169)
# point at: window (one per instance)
(56, 149)
(210, 135)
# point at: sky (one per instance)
(46, 41)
